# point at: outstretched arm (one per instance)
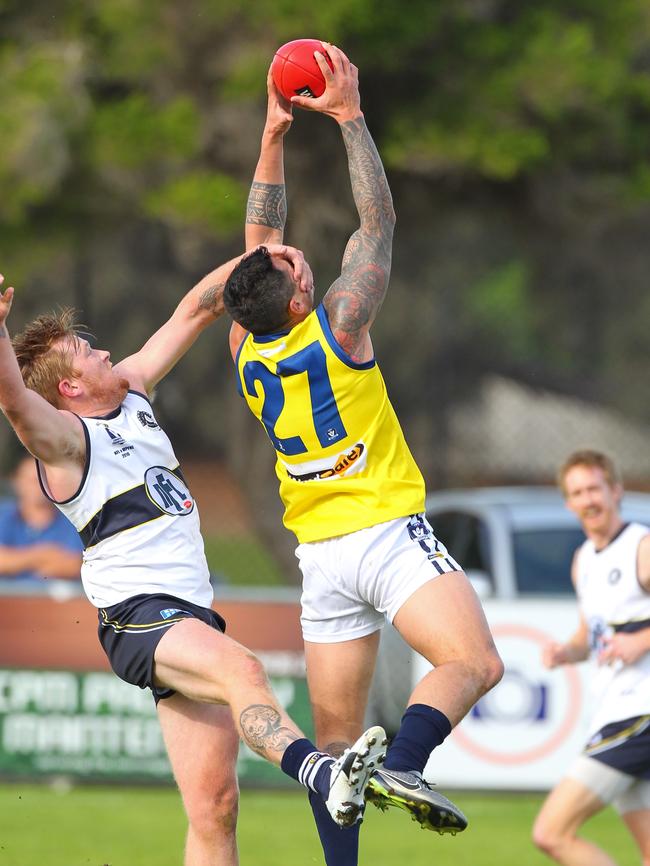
(54, 436)
(266, 210)
(201, 306)
(354, 299)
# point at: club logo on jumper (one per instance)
(417, 528)
(614, 576)
(147, 420)
(167, 491)
(115, 438)
(170, 611)
(121, 448)
(342, 465)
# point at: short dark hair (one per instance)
(257, 295)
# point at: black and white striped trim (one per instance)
(310, 767)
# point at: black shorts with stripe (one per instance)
(130, 630)
(624, 745)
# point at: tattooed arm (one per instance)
(266, 211)
(198, 309)
(354, 299)
(265, 217)
(201, 306)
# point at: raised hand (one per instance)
(341, 98)
(279, 115)
(6, 299)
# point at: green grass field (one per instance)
(93, 826)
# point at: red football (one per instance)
(295, 71)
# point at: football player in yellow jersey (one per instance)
(352, 492)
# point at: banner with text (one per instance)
(95, 726)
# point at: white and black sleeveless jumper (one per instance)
(136, 517)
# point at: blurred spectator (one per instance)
(36, 541)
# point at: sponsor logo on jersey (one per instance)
(341, 465)
(167, 491)
(170, 611)
(147, 420)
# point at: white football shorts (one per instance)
(352, 583)
(624, 792)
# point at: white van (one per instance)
(515, 542)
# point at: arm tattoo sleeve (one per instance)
(261, 729)
(267, 205)
(354, 299)
(369, 185)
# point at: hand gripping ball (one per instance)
(295, 70)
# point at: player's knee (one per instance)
(541, 840)
(493, 669)
(214, 815)
(546, 840)
(250, 669)
(484, 671)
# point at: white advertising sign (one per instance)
(524, 733)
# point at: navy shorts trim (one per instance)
(129, 633)
(624, 746)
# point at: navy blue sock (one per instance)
(422, 729)
(340, 844)
(304, 763)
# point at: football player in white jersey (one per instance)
(611, 575)
(106, 463)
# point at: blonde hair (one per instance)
(41, 365)
(593, 459)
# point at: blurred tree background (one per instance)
(515, 136)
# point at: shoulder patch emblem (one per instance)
(147, 420)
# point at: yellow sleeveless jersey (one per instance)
(342, 460)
